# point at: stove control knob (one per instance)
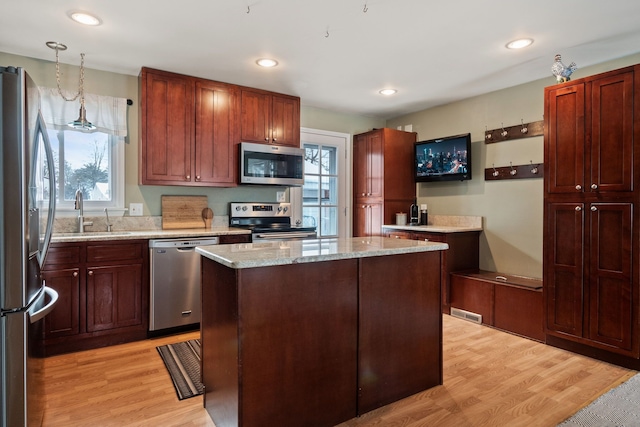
(279, 208)
(244, 208)
(285, 208)
(237, 208)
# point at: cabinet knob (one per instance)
(188, 177)
(266, 139)
(594, 186)
(368, 194)
(275, 139)
(197, 177)
(364, 194)
(426, 240)
(75, 274)
(578, 208)
(578, 187)
(593, 209)
(90, 272)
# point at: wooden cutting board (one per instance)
(183, 212)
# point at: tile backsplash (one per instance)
(123, 223)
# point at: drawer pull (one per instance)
(504, 279)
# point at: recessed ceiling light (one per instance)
(85, 18)
(267, 62)
(388, 92)
(519, 43)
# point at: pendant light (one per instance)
(81, 123)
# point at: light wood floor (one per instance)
(491, 378)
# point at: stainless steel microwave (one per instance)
(271, 164)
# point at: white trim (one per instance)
(345, 177)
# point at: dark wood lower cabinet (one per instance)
(103, 292)
(316, 344)
(463, 253)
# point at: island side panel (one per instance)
(219, 332)
(400, 340)
(298, 325)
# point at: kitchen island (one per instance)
(314, 333)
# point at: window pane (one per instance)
(329, 165)
(310, 217)
(87, 164)
(329, 190)
(329, 221)
(311, 159)
(310, 190)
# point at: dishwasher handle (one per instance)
(189, 249)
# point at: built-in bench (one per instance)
(507, 302)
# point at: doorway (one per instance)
(322, 199)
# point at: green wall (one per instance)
(120, 85)
(512, 209)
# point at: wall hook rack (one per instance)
(523, 130)
(514, 172)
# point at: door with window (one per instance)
(324, 193)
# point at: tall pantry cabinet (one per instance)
(591, 222)
(383, 182)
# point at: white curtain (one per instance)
(106, 113)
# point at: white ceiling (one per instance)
(332, 53)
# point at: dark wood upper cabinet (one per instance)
(190, 127)
(269, 118)
(383, 183)
(166, 116)
(591, 239)
(217, 107)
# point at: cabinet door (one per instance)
(368, 165)
(64, 319)
(216, 132)
(565, 139)
(367, 220)
(255, 116)
(285, 121)
(114, 297)
(564, 268)
(610, 286)
(167, 132)
(612, 133)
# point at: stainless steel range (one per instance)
(268, 221)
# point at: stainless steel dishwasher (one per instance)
(175, 282)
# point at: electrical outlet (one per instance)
(135, 209)
(280, 196)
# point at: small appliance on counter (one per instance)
(268, 221)
(413, 212)
(424, 215)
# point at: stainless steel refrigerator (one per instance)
(27, 207)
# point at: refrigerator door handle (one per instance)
(37, 315)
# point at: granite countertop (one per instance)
(250, 255)
(145, 234)
(433, 228)
(443, 224)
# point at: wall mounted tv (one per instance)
(443, 159)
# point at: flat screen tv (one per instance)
(443, 159)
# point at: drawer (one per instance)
(105, 252)
(234, 238)
(431, 237)
(66, 254)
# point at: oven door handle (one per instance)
(293, 235)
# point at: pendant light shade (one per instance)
(81, 122)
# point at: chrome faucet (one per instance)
(106, 212)
(78, 205)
